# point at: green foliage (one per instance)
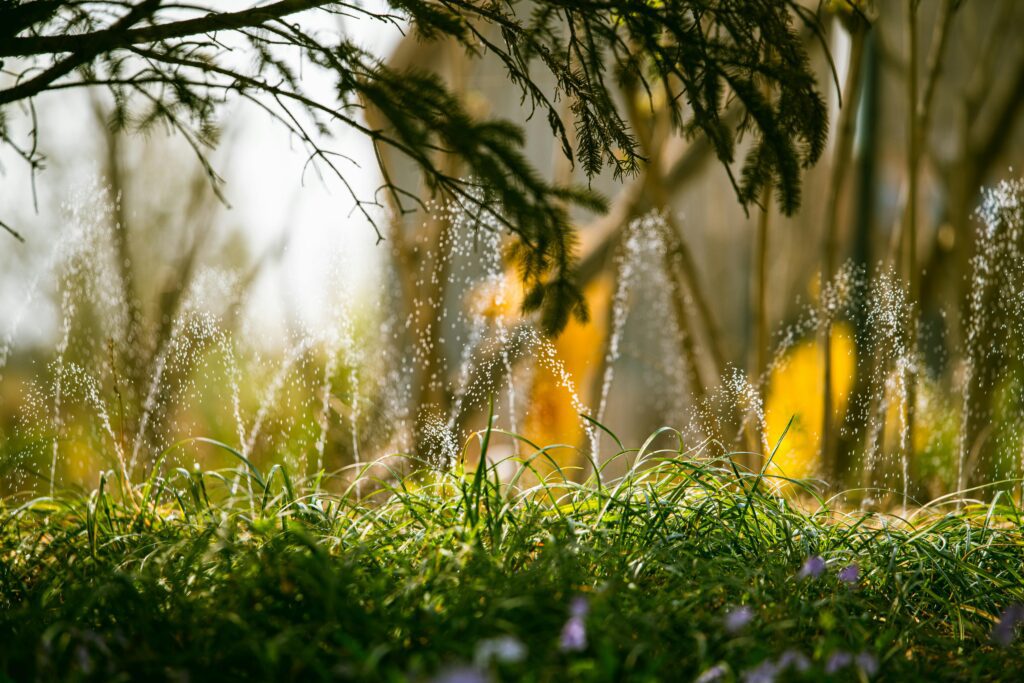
(707, 55)
(178, 576)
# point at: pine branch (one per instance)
(119, 36)
(87, 53)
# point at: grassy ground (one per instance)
(683, 570)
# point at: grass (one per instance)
(683, 568)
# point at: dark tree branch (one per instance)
(85, 54)
(119, 36)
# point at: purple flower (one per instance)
(737, 618)
(867, 663)
(574, 635)
(813, 567)
(762, 673)
(793, 659)
(1003, 632)
(715, 673)
(850, 573)
(837, 661)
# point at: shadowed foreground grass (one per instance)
(684, 569)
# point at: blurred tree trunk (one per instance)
(132, 334)
(909, 251)
(852, 433)
(832, 467)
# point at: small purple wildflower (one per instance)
(574, 635)
(764, 672)
(737, 618)
(837, 661)
(794, 659)
(715, 673)
(461, 674)
(867, 663)
(850, 573)
(814, 566)
(1003, 632)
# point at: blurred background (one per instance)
(143, 309)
